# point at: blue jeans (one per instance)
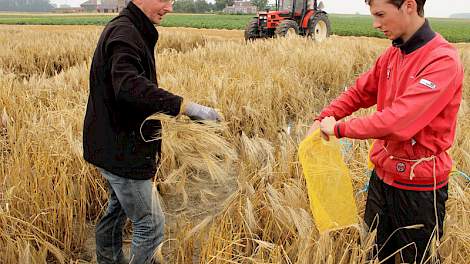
(138, 201)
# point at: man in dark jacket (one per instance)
(124, 92)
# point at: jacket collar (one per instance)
(419, 39)
(142, 23)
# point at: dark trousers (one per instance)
(391, 210)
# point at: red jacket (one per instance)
(417, 96)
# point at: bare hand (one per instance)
(315, 126)
(327, 126)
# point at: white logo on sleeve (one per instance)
(428, 83)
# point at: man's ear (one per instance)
(410, 7)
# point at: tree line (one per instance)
(181, 6)
(201, 6)
(25, 5)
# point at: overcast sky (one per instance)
(433, 8)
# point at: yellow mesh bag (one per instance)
(328, 182)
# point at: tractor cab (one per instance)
(302, 17)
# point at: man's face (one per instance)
(389, 19)
(156, 9)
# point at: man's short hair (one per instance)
(398, 3)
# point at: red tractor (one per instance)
(301, 17)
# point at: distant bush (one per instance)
(461, 15)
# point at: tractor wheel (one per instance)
(252, 30)
(319, 27)
(287, 28)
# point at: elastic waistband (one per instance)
(406, 184)
(427, 186)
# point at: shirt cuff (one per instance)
(339, 130)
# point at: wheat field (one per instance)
(232, 192)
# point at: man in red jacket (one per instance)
(417, 87)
